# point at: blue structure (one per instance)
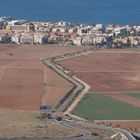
(45, 107)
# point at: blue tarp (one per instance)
(45, 107)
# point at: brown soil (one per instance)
(21, 88)
(129, 125)
(124, 98)
(17, 124)
(107, 72)
(104, 62)
(112, 73)
(56, 87)
(22, 76)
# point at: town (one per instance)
(18, 31)
(62, 85)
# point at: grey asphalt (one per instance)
(78, 87)
(74, 138)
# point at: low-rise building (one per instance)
(63, 30)
(123, 40)
(72, 30)
(40, 38)
(134, 40)
(77, 41)
(26, 38)
(16, 38)
(2, 24)
(87, 40)
(5, 38)
(20, 28)
(62, 23)
(55, 29)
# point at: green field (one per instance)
(99, 107)
(135, 95)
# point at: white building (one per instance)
(99, 26)
(87, 40)
(16, 38)
(77, 41)
(62, 23)
(63, 30)
(55, 29)
(26, 38)
(40, 38)
(72, 30)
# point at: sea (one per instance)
(78, 11)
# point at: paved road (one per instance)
(75, 138)
(124, 132)
(78, 87)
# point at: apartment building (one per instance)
(26, 38)
(40, 38)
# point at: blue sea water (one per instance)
(85, 11)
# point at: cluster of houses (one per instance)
(29, 32)
(24, 38)
(29, 38)
(109, 36)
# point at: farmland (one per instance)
(96, 106)
(135, 95)
(22, 124)
(111, 74)
(25, 84)
(23, 75)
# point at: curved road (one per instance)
(78, 87)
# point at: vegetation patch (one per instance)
(135, 95)
(99, 107)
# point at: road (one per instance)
(76, 90)
(72, 138)
(78, 87)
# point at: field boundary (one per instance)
(70, 100)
